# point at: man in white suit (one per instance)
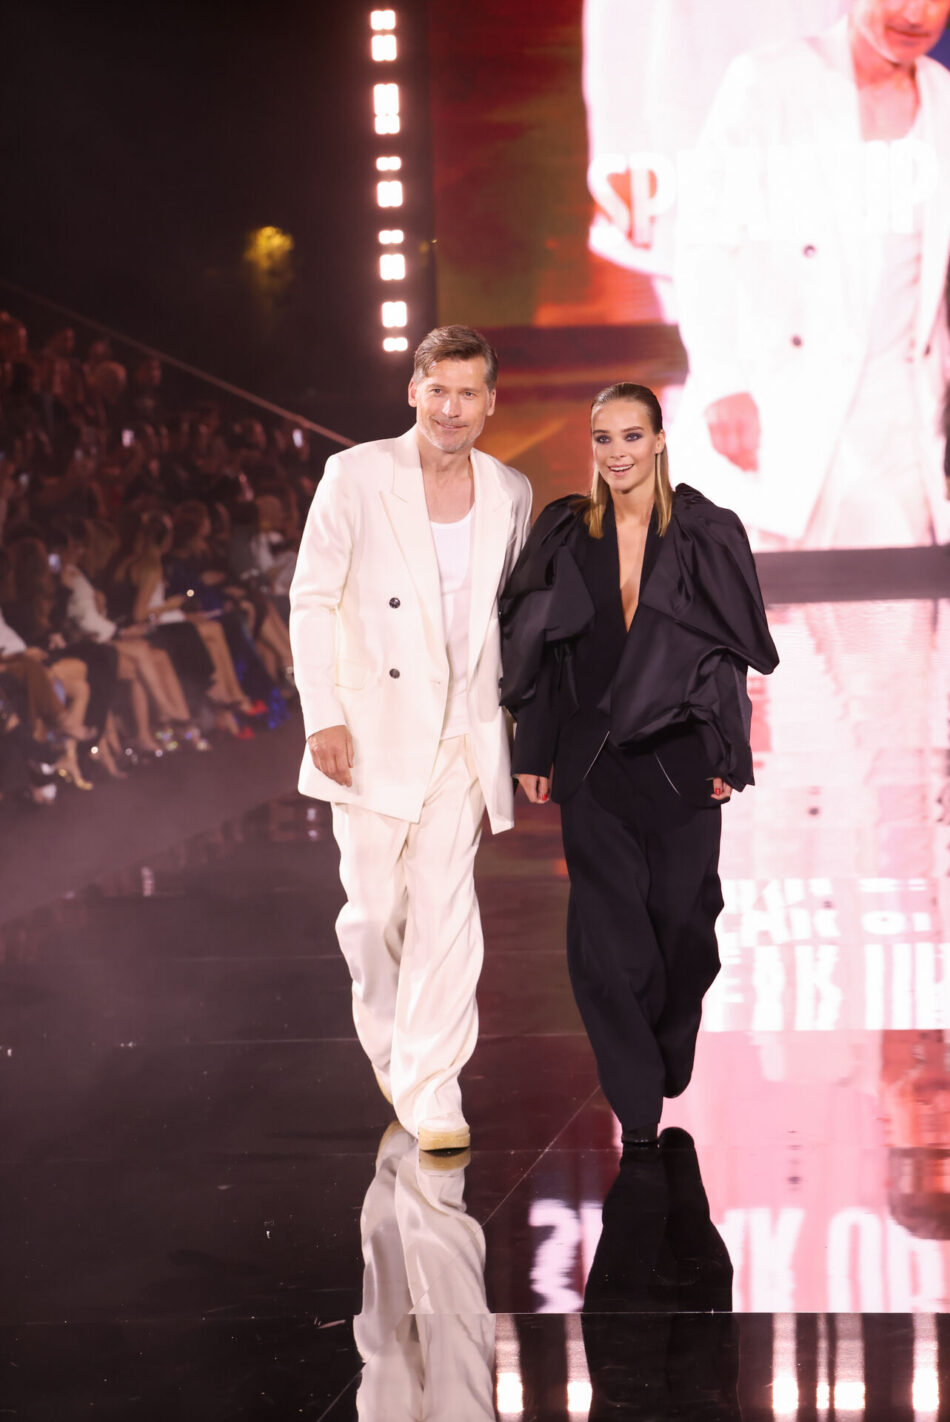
(394, 627)
(811, 286)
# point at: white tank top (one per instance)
(453, 550)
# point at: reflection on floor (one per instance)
(207, 1211)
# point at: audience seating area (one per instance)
(147, 543)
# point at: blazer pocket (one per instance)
(350, 676)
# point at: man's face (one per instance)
(452, 403)
(901, 30)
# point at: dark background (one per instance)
(140, 144)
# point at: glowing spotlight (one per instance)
(383, 48)
(784, 1396)
(389, 193)
(395, 343)
(509, 1395)
(580, 1395)
(391, 236)
(268, 248)
(394, 313)
(849, 1395)
(392, 266)
(382, 19)
(386, 107)
(926, 1390)
(389, 164)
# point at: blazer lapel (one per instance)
(405, 505)
(936, 225)
(492, 524)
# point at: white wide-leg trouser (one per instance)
(412, 938)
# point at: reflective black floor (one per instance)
(206, 1210)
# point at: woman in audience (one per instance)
(194, 640)
(54, 687)
(146, 671)
(197, 563)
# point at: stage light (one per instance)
(926, 1390)
(386, 107)
(394, 313)
(383, 48)
(580, 1395)
(393, 266)
(509, 1395)
(389, 193)
(268, 248)
(785, 1396)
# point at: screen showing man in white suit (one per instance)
(813, 238)
(394, 628)
(639, 119)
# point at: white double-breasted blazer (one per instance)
(366, 626)
(780, 265)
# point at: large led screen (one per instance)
(744, 204)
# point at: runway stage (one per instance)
(202, 1187)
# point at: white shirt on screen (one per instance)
(453, 551)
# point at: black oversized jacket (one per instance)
(673, 686)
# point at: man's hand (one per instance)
(720, 791)
(536, 787)
(735, 431)
(332, 753)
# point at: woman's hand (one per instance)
(536, 787)
(720, 791)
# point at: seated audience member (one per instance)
(146, 401)
(60, 373)
(146, 671)
(106, 383)
(199, 569)
(54, 687)
(36, 610)
(194, 640)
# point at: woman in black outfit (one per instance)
(628, 626)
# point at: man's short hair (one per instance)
(455, 343)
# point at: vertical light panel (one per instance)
(390, 192)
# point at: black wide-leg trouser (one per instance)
(641, 940)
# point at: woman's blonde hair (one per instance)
(599, 495)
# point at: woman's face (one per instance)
(624, 445)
